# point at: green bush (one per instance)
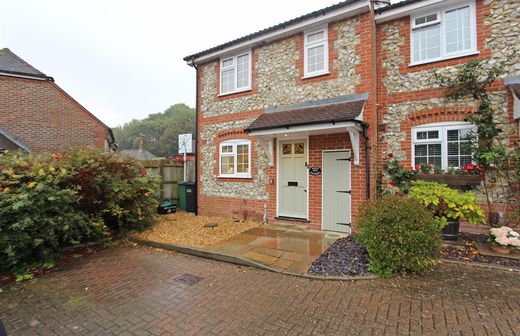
(400, 235)
(112, 187)
(48, 202)
(446, 203)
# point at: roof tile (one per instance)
(346, 111)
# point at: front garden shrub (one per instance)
(48, 202)
(399, 234)
(115, 188)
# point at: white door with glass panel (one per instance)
(337, 191)
(293, 179)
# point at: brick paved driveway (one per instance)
(134, 291)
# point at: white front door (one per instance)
(336, 191)
(292, 181)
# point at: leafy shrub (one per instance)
(446, 203)
(48, 202)
(110, 186)
(400, 235)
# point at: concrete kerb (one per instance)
(489, 266)
(242, 261)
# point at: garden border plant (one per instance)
(399, 234)
(51, 201)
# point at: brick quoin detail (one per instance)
(45, 118)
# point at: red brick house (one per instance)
(293, 120)
(36, 115)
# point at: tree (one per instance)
(159, 130)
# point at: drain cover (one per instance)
(188, 279)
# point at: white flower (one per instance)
(515, 242)
(504, 241)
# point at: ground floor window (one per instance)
(235, 158)
(444, 145)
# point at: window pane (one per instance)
(287, 149)
(433, 134)
(453, 135)
(227, 84)
(421, 150)
(316, 59)
(426, 43)
(420, 160)
(422, 135)
(243, 71)
(227, 165)
(316, 37)
(453, 148)
(242, 158)
(458, 30)
(227, 149)
(434, 150)
(228, 62)
(299, 148)
(465, 160)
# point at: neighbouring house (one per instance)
(36, 115)
(293, 120)
(138, 154)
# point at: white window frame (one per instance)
(234, 144)
(307, 46)
(234, 68)
(443, 129)
(441, 21)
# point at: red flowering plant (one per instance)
(398, 176)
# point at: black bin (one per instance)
(191, 195)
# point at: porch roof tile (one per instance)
(308, 115)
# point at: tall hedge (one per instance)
(50, 201)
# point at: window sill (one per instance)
(233, 92)
(316, 74)
(469, 53)
(233, 177)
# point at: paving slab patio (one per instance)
(285, 247)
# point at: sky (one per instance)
(122, 59)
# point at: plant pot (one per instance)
(456, 181)
(451, 231)
(500, 249)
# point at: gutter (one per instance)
(367, 165)
(196, 67)
(26, 75)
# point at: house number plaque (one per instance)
(315, 171)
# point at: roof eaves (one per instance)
(395, 5)
(274, 28)
(14, 140)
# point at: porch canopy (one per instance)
(328, 116)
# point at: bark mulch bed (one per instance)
(345, 257)
(467, 251)
(186, 229)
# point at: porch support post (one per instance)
(354, 140)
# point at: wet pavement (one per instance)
(137, 291)
(290, 248)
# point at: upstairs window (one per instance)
(444, 34)
(442, 145)
(235, 73)
(235, 159)
(316, 54)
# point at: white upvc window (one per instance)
(235, 159)
(444, 34)
(316, 52)
(235, 73)
(444, 145)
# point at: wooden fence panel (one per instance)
(171, 173)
